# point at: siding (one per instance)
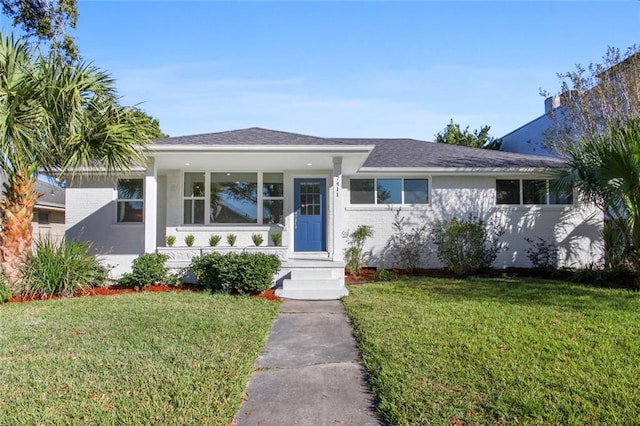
(91, 216)
(575, 230)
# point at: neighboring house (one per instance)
(49, 211)
(624, 77)
(314, 190)
(529, 138)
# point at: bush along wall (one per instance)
(241, 273)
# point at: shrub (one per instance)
(385, 275)
(146, 270)
(257, 239)
(5, 293)
(171, 240)
(60, 268)
(231, 239)
(542, 255)
(466, 246)
(354, 255)
(243, 273)
(214, 240)
(189, 240)
(276, 239)
(407, 248)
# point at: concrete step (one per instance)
(316, 273)
(311, 283)
(312, 293)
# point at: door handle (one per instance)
(295, 220)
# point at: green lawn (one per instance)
(150, 358)
(499, 351)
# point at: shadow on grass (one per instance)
(526, 291)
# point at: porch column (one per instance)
(150, 208)
(337, 213)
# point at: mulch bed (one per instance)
(268, 294)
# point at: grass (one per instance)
(150, 358)
(499, 351)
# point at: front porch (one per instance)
(224, 199)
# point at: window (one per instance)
(507, 191)
(130, 201)
(233, 197)
(529, 191)
(534, 191)
(389, 191)
(43, 218)
(194, 187)
(273, 198)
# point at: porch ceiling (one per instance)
(259, 159)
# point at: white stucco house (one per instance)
(312, 190)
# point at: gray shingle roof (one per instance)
(252, 136)
(387, 152)
(415, 153)
(52, 195)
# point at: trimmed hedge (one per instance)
(242, 273)
(147, 269)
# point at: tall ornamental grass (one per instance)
(60, 268)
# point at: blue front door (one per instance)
(309, 210)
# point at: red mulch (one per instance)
(268, 294)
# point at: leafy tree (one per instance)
(154, 124)
(55, 117)
(454, 135)
(605, 167)
(47, 21)
(595, 97)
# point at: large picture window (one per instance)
(529, 191)
(130, 202)
(233, 197)
(389, 191)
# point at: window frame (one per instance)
(260, 198)
(192, 199)
(125, 200)
(547, 194)
(402, 191)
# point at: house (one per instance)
(313, 190)
(615, 90)
(49, 211)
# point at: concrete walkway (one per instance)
(308, 373)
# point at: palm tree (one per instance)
(605, 168)
(55, 118)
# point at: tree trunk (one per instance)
(16, 233)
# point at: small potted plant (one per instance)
(276, 239)
(171, 240)
(214, 240)
(189, 240)
(257, 239)
(231, 239)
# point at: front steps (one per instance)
(312, 280)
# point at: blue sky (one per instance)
(346, 69)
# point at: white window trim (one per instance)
(119, 200)
(521, 190)
(207, 198)
(402, 196)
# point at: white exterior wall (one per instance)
(91, 216)
(575, 230)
